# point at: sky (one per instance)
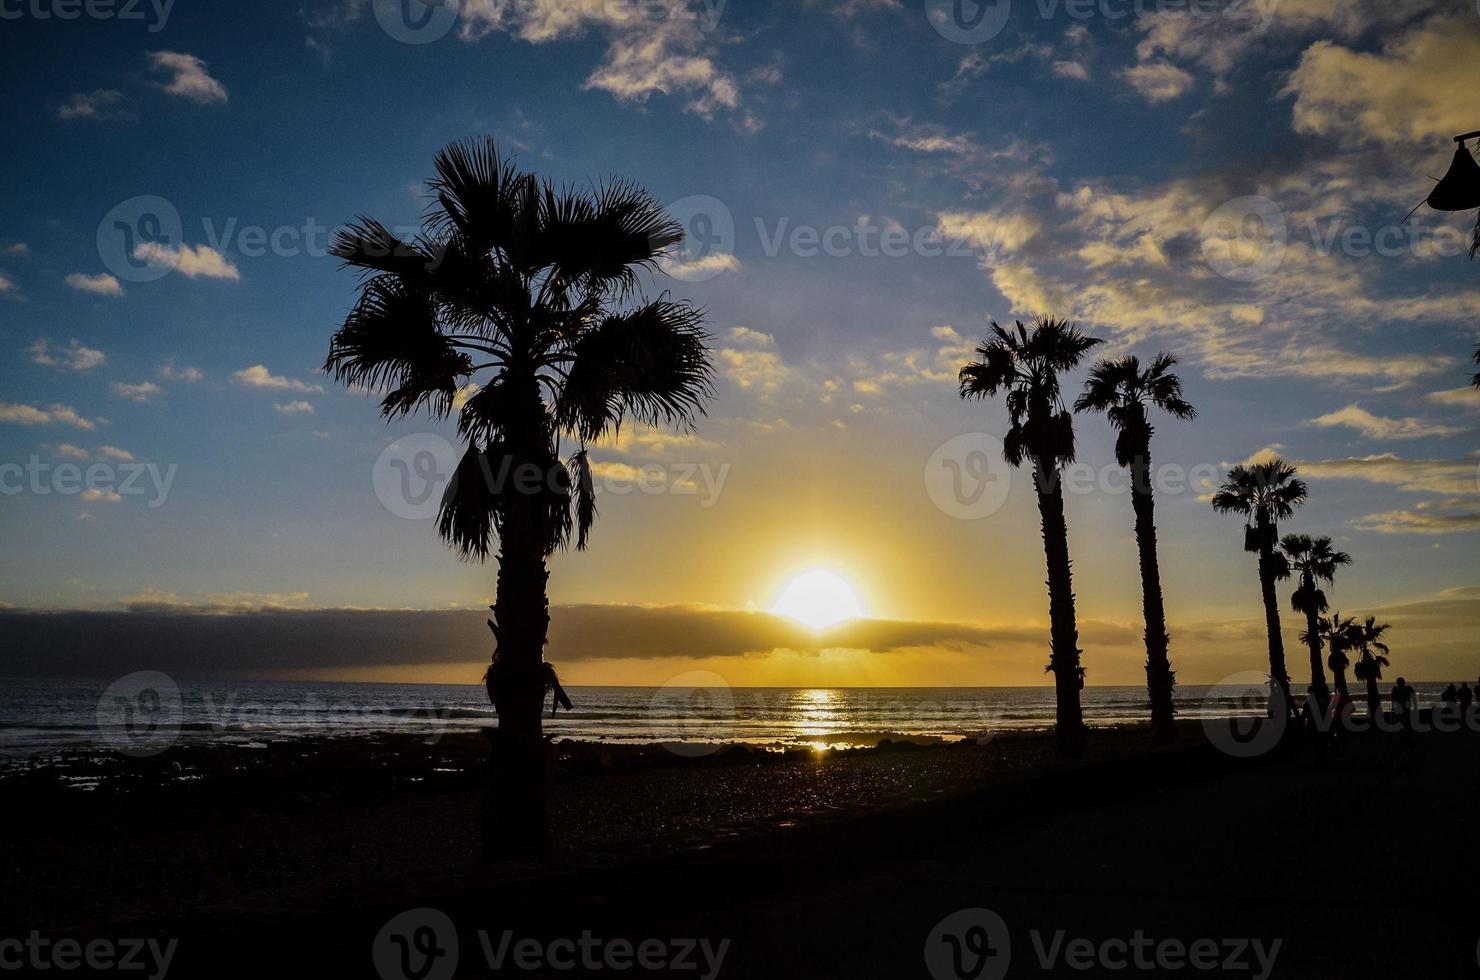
(866, 183)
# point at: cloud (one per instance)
(705, 267)
(189, 78)
(103, 105)
(75, 357)
(114, 453)
(293, 408)
(68, 451)
(652, 49)
(19, 250)
(1377, 427)
(141, 393)
(257, 376)
(750, 359)
(1417, 90)
(101, 284)
(103, 496)
(1445, 517)
(1438, 476)
(189, 375)
(6, 283)
(1158, 81)
(52, 414)
(191, 261)
(1071, 69)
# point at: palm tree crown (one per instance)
(1268, 492)
(1312, 561)
(1123, 390)
(1366, 639)
(526, 295)
(1026, 366)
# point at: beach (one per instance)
(838, 862)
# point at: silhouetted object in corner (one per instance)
(518, 308)
(1313, 561)
(1025, 365)
(1459, 188)
(1123, 390)
(1268, 493)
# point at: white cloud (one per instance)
(192, 261)
(100, 106)
(6, 283)
(30, 415)
(74, 357)
(1071, 69)
(114, 453)
(141, 393)
(101, 284)
(294, 408)
(1456, 397)
(68, 451)
(257, 376)
(1158, 81)
(19, 250)
(190, 79)
(1377, 427)
(104, 496)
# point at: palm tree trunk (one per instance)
(1279, 677)
(1319, 690)
(1374, 700)
(1159, 677)
(514, 811)
(1069, 730)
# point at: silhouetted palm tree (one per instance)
(1475, 378)
(1123, 390)
(1366, 639)
(1025, 365)
(1313, 561)
(1336, 634)
(532, 290)
(1265, 493)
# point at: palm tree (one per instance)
(1123, 390)
(1025, 365)
(1265, 493)
(1337, 635)
(1475, 378)
(531, 290)
(1313, 561)
(1366, 639)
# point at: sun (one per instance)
(819, 599)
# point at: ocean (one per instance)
(45, 717)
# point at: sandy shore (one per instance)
(304, 850)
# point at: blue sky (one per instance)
(1087, 161)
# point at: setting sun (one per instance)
(818, 598)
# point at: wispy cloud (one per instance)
(293, 408)
(189, 77)
(73, 357)
(103, 105)
(257, 376)
(142, 392)
(14, 414)
(101, 284)
(191, 261)
(1377, 427)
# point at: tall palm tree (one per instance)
(1313, 561)
(1025, 365)
(531, 290)
(1265, 493)
(1366, 639)
(1124, 391)
(1475, 378)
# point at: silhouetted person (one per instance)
(1466, 697)
(1447, 701)
(1403, 708)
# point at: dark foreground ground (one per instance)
(1180, 862)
